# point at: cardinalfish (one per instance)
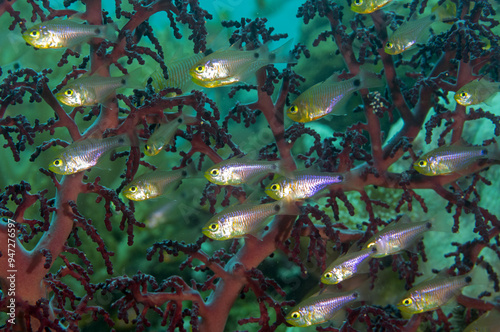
(59, 33)
(347, 265)
(433, 293)
(156, 183)
(84, 154)
(95, 89)
(240, 220)
(455, 158)
(320, 308)
(368, 6)
(178, 74)
(400, 236)
(302, 184)
(239, 170)
(328, 97)
(164, 134)
(233, 65)
(476, 92)
(414, 30)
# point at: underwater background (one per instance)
(89, 258)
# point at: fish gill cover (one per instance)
(77, 254)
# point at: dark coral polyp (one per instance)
(418, 85)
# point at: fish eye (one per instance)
(214, 172)
(407, 301)
(463, 94)
(147, 147)
(133, 189)
(57, 162)
(68, 92)
(358, 2)
(293, 109)
(295, 315)
(389, 45)
(328, 275)
(422, 163)
(34, 33)
(200, 69)
(213, 227)
(275, 187)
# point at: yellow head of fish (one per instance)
(222, 175)
(333, 276)
(464, 98)
(211, 74)
(298, 111)
(140, 191)
(61, 166)
(423, 166)
(217, 230)
(410, 306)
(301, 317)
(39, 36)
(367, 6)
(71, 96)
(152, 149)
(275, 190)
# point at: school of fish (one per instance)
(234, 65)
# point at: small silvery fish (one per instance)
(233, 65)
(347, 265)
(449, 159)
(328, 97)
(60, 33)
(84, 154)
(320, 308)
(302, 184)
(239, 170)
(368, 6)
(432, 294)
(414, 30)
(399, 236)
(178, 74)
(154, 184)
(476, 92)
(164, 134)
(92, 90)
(240, 220)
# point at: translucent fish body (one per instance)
(346, 266)
(408, 34)
(319, 309)
(432, 294)
(303, 184)
(66, 33)
(232, 65)
(476, 92)
(90, 90)
(397, 237)
(451, 158)
(368, 6)
(84, 154)
(236, 171)
(239, 220)
(164, 134)
(154, 184)
(327, 97)
(178, 74)
(486, 323)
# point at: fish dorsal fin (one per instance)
(333, 78)
(405, 219)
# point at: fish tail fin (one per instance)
(368, 79)
(188, 120)
(109, 32)
(436, 225)
(282, 54)
(190, 171)
(493, 151)
(134, 79)
(445, 12)
(288, 207)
